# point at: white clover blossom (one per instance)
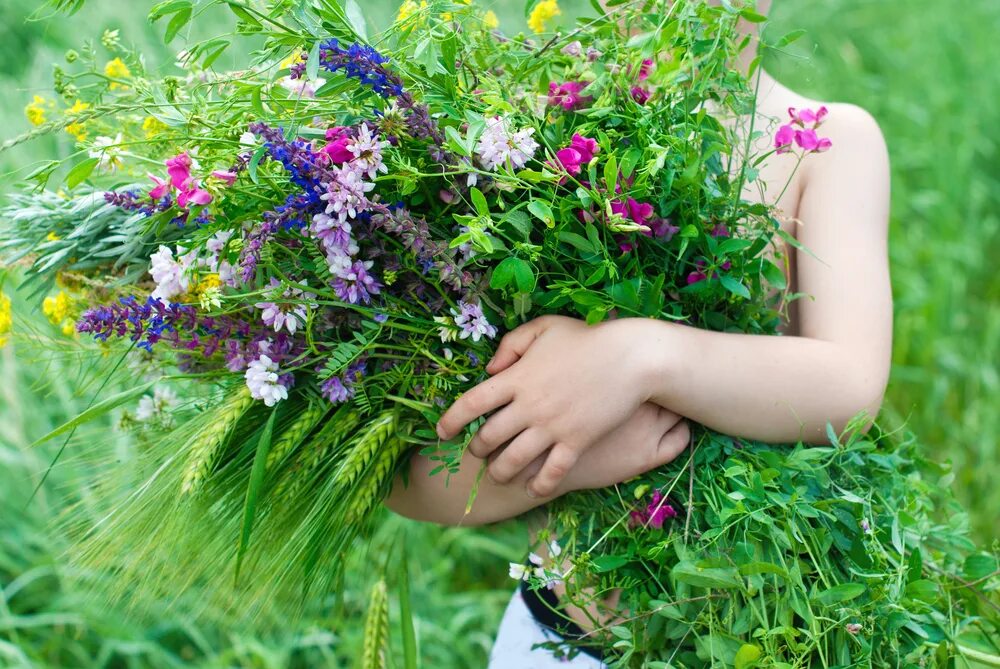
(367, 150)
(169, 274)
(107, 151)
(262, 380)
(499, 145)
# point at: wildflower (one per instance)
(360, 62)
(801, 130)
(117, 69)
(52, 237)
(152, 126)
(367, 152)
(640, 94)
(76, 128)
(357, 285)
(57, 308)
(179, 170)
(499, 146)
(574, 49)
(662, 228)
(107, 151)
(852, 628)
(288, 315)
(809, 141)
(656, 513)
(291, 59)
(580, 151)
(336, 149)
(522, 572)
(471, 322)
(161, 189)
(490, 20)
(446, 328)
(6, 318)
(264, 382)
(645, 69)
(35, 110)
(567, 95)
(866, 526)
(409, 8)
(301, 87)
(248, 139)
(225, 176)
(542, 14)
(169, 274)
(156, 407)
(804, 117)
(335, 390)
(345, 195)
(632, 209)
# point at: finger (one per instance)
(482, 399)
(498, 429)
(519, 454)
(560, 461)
(667, 418)
(671, 445)
(514, 344)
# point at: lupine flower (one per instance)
(263, 381)
(567, 95)
(499, 146)
(656, 512)
(542, 14)
(471, 322)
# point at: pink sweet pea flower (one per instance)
(807, 140)
(645, 69)
(162, 188)
(656, 513)
(638, 212)
(570, 160)
(179, 169)
(193, 194)
(804, 117)
(567, 95)
(640, 94)
(227, 177)
(783, 138)
(586, 147)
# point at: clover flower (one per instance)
(264, 381)
(498, 145)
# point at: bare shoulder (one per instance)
(854, 127)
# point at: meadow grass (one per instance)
(931, 82)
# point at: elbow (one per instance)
(860, 406)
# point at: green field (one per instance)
(928, 75)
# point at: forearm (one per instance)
(770, 388)
(442, 499)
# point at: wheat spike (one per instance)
(371, 463)
(205, 449)
(376, 629)
(296, 432)
(314, 452)
(369, 443)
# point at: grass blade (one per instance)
(253, 488)
(406, 614)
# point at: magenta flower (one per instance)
(336, 150)
(662, 228)
(179, 169)
(656, 513)
(225, 176)
(567, 95)
(193, 194)
(804, 117)
(162, 188)
(638, 212)
(645, 69)
(586, 146)
(640, 94)
(784, 137)
(804, 136)
(580, 152)
(809, 141)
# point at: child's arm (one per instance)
(651, 437)
(561, 384)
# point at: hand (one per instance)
(562, 385)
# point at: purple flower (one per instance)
(359, 61)
(656, 513)
(356, 285)
(472, 322)
(336, 391)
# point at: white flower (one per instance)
(248, 139)
(302, 87)
(519, 572)
(367, 150)
(499, 146)
(107, 151)
(169, 274)
(555, 550)
(262, 380)
(156, 406)
(447, 330)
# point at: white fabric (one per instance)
(519, 632)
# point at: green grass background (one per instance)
(926, 71)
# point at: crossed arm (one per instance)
(561, 391)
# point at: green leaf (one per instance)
(479, 201)
(455, 141)
(774, 275)
(734, 286)
(579, 241)
(255, 162)
(180, 20)
(312, 63)
(524, 275)
(788, 38)
(603, 563)
(356, 18)
(747, 656)
(257, 473)
(923, 590)
(161, 9)
(80, 172)
(838, 594)
(503, 274)
(611, 174)
(979, 566)
(96, 410)
(706, 577)
(542, 212)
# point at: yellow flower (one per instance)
(490, 20)
(77, 129)
(69, 328)
(57, 308)
(35, 110)
(153, 126)
(409, 8)
(6, 318)
(544, 11)
(117, 69)
(52, 237)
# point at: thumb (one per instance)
(515, 344)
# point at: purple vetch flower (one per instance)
(280, 313)
(656, 512)
(133, 201)
(346, 194)
(356, 285)
(471, 322)
(264, 381)
(336, 391)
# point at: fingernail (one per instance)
(529, 491)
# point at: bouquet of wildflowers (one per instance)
(320, 251)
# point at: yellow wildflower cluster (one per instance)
(209, 291)
(35, 110)
(117, 69)
(52, 237)
(6, 318)
(542, 14)
(76, 129)
(153, 126)
(490, 20)
(59, 310)
(409, 8)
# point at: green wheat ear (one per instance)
(369, 443)
(204, 451)
(296, 432)
(372, 463)
(314, 452)
(376, 629)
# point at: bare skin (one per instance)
(548, 435)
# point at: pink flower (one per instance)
(808, 140)
(193, 194)
(645, 69)
(179, 169)
(585, 146)
(162, 188)
(783, 138)
(567, 95)
(695, 277)
(570, 160)
(656, 513)
(225, 176)
(640, 94)
(804, 117)
(720, 230)
(639, 212)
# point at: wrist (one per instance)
(655, 357)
